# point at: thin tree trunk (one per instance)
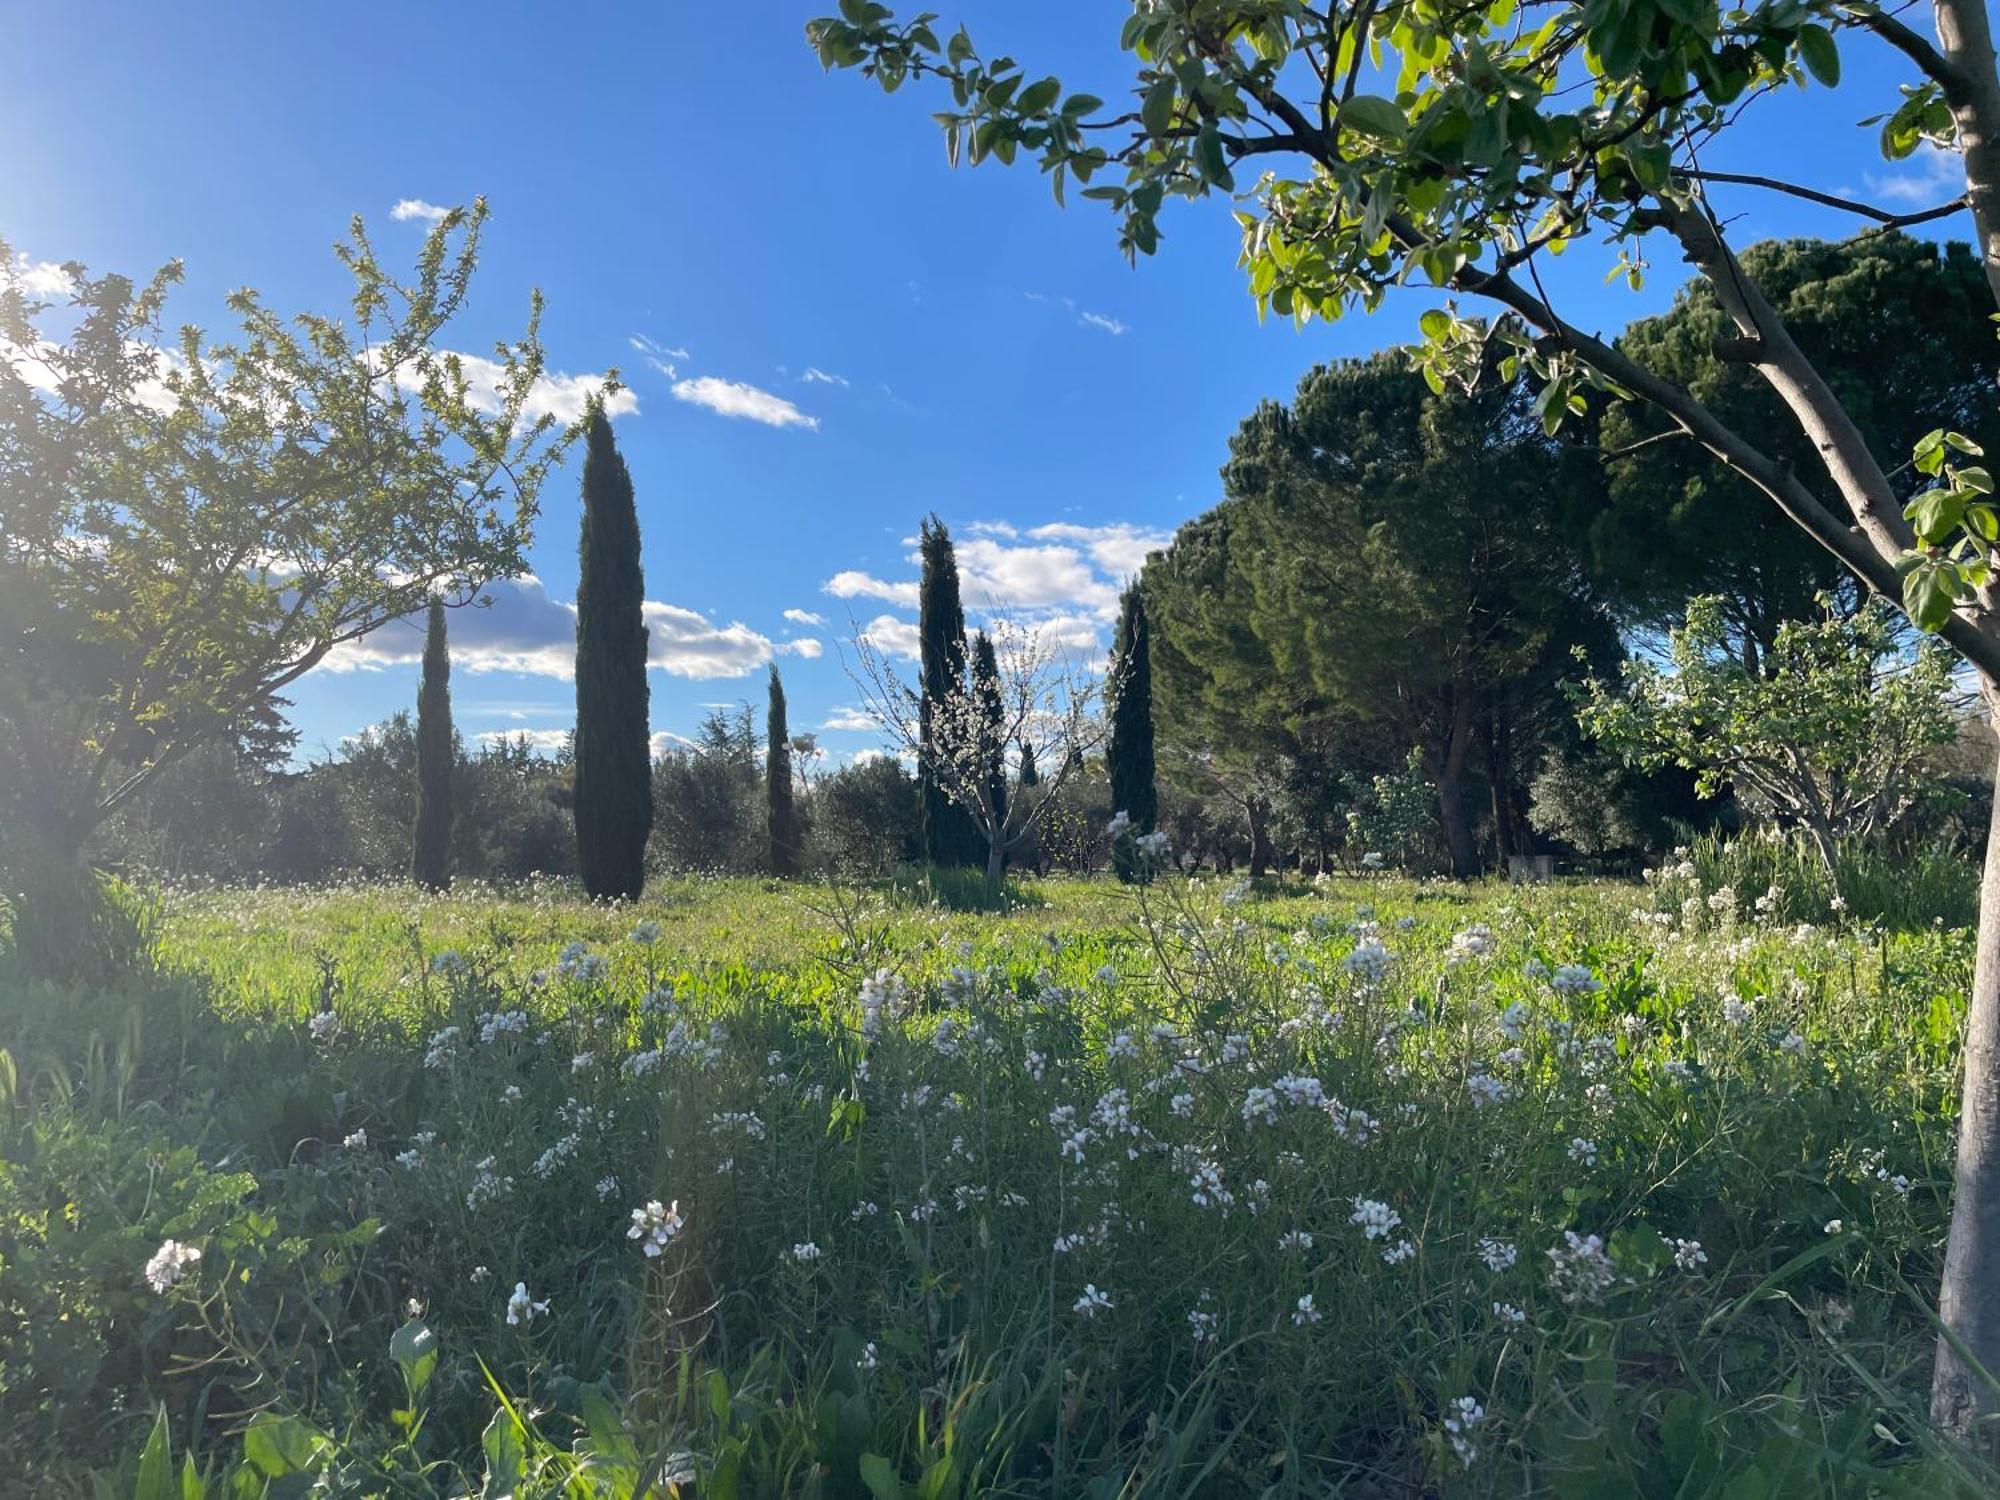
(1969, 1300)
(996, 863)
(1447, 773)
(1258, 812)
(1499, 748)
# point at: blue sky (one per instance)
(858, 335)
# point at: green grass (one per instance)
(1179, 1097)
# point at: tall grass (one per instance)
(1932, 885)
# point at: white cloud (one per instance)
(657, 355)
(688, 645)
(1930, 176)
(805, 646)
(664, 740)
(1120, 549)
(733, 398)
(42, 278)
(541, 741)
(816, 376)
(851, 583)
(1103, 321)
(850, 720)
(417, 208)
(558, 395)
(892, 637)
(805, 617)
(527, 630)
(1031, 577)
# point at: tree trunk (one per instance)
(1969, 1300)
(1499, 752)
(1447, 772)
(1258, 811)
(996, 864)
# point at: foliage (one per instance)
(613, 747)
(781, 823)
(950, 837)
(1390, 563)
(1128, 748)
(710, 804)
(980, 1092)
(189, 527)
(1391, 823)
(865, 818)
(1899, 328)
(430, 855)
(1828, 736)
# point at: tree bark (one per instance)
(1447, 772)
(1499, 751)
(1969, 1300)
(1258, 812)
(996, 864)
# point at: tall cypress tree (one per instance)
(430, 843)
(1030, 776)
(614, 763)
(783, 815)
(1128, 754)
(992, 712)
(949, 834)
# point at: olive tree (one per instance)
(1409, 142)
(1829, 736)
(188, 526)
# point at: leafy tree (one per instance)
(614, 756)
(709, 799)
(1389, 556)
(1128, 751)
(866, 818)
(949, 835)
(1828, 737)
(1898, 327)
(1512, 134)
(189, 526)
(781, 816)
(437, 753)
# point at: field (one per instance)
(1368, 1188)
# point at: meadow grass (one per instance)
(1366, 1188)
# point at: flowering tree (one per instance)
(187, 527)
(1035, 697)
(1828, 736)
(1403, 143)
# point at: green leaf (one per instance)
(192, 1486)
(414, 1349)
(1156, 111)
(1935, 514)
(278, 1446)
(959, 48)
(1435, 323)
(1373, 115)
(1076, 106)
(1037, 97)
(156, 1465)
(1819, 53)
(1928, 595)
(880, 1477)
(505, 1445)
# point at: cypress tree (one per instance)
(949, 834)
(1128, 753)
(614, 762)
(1029, 775)
(430, 844)
(992, 713)
(783, 820)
